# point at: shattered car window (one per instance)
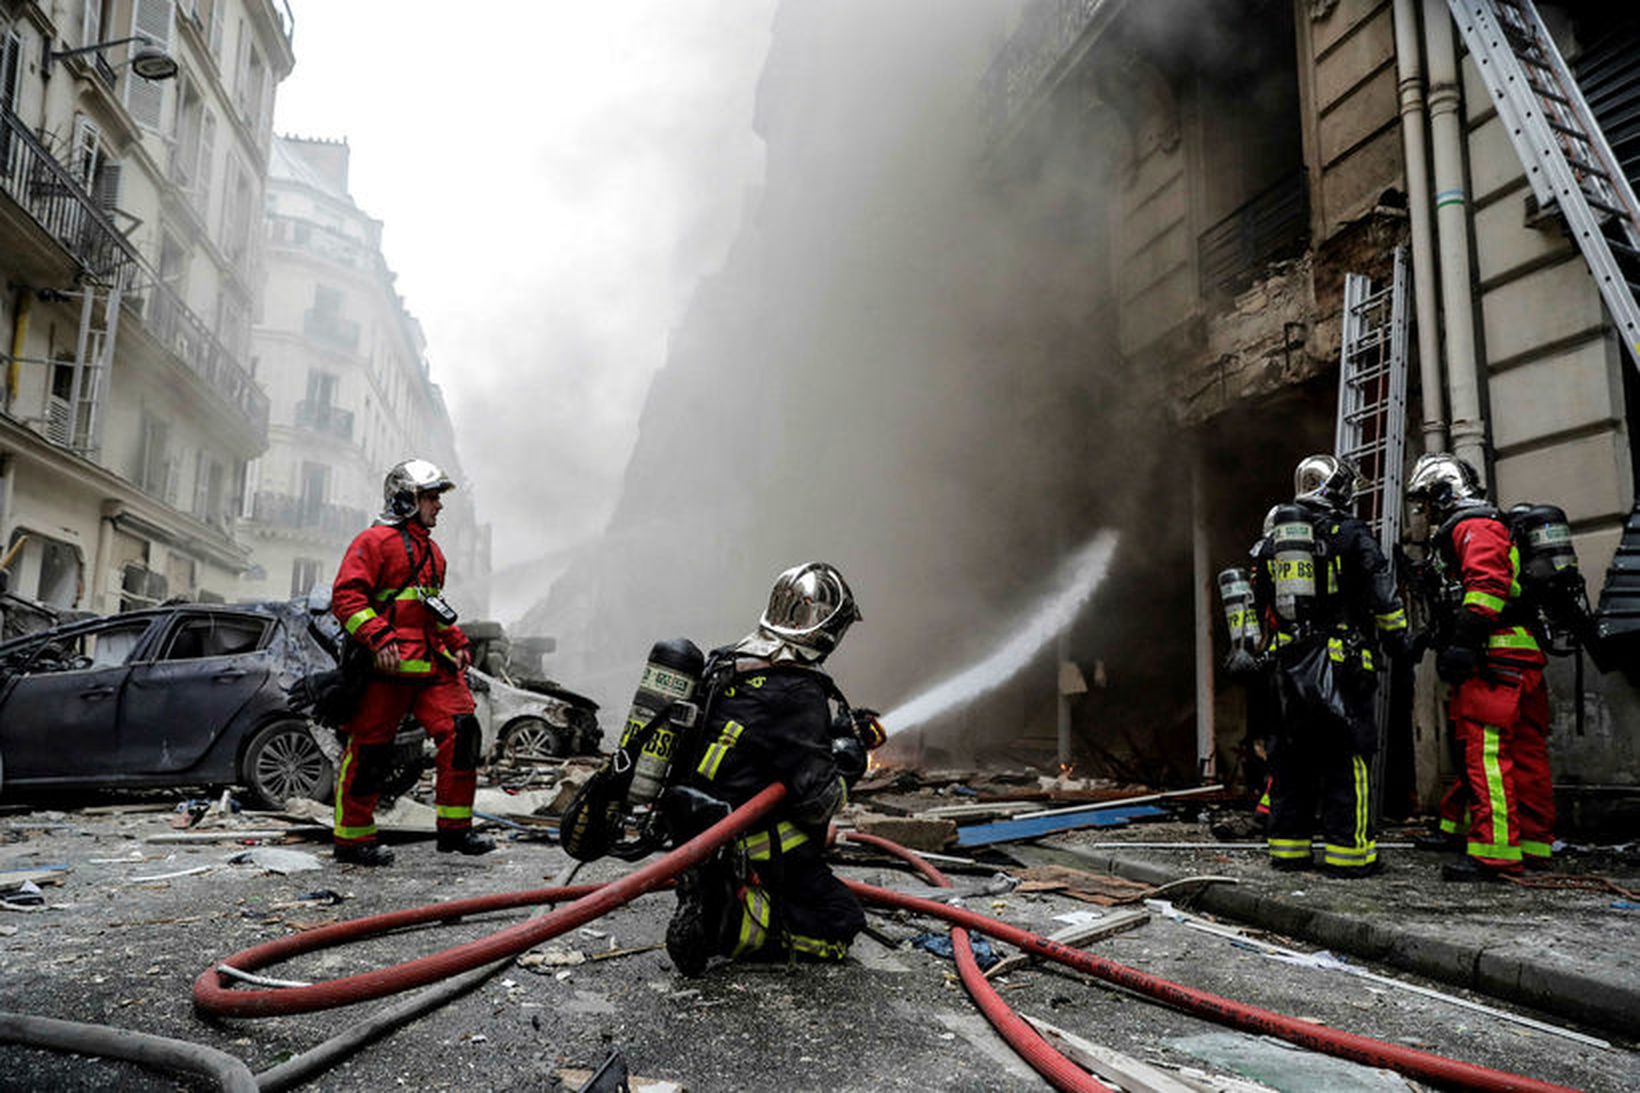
(114, 645)
(215, 636)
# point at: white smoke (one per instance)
(1077, 580)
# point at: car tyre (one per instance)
(283, 760)
(531, 739)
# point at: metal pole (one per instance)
(1201, 570)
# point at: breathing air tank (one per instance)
(671, 675)
(1236, 592)
(1545, 540)
(1292, 538)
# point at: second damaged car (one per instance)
(192, 694)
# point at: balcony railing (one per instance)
(330, 329)
(322, 417)
(176, 327)
(283, 510)
(1273, 225)
(59, 203)
(323, 242)
(1047, 30)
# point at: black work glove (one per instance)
(850, 756)
(1466, 655)
(1241, 664)
(868, 728)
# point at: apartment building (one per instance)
(345, 367)
(1246, 158)
(133, 147)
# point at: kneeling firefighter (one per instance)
(1335, 608)
(773, 715)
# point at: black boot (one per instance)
(363, 854)
(695, 933)
(464, 841)
(1468, 870)
(1291, 865)
(1438, 842)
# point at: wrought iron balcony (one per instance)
(1047, 31)
(185, 334)
(331, 329)
(1273, 225)
(283, 510)
(59, 203)
(322, 417)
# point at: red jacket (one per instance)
(1488, 567)
(378, 597)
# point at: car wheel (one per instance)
(530, 740)
(282, 761)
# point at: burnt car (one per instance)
(189, 694)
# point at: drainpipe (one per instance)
(103, 559)
(19, 339)
(1410, 73)
(1202, 575)
(1452, 221)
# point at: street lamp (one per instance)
(149, 60)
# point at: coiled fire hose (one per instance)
(212, 994)
(1059, 1071)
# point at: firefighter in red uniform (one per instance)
(1487, 651)
(389, 596)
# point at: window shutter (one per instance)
(105, 188)
(201, 492)
(91, 22)
(146, 98)
(11, 52)
(87, 151)
(207, 164)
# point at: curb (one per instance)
(1607, 1002)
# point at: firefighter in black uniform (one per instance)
(774, 716)
(1329, 623)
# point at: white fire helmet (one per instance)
(404, 482)
(810, 608)
(1327, 481)
(1439, 485)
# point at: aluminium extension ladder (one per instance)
(1568, 162)
(1371, 433)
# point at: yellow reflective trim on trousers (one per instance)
(1449, 827)
(1516, 637)
(819, 948)
(358, 619)
(337, 828)
(1363, 801)
(1497, 851)
(1393, 620)
(455, 812)
(1536, 850)
(754, 922)
(756, 845)
(1484, 599)
(1289, 848)
(414, 667)
(1335, 649)
(713, 758)
(1497, 797)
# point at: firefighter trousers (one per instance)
(790, 903)
(1501, 718)
(444, 707)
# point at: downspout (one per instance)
(1202, 577)
(19, 340)
(1410, 74)
(1452, 222)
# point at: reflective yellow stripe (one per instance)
(1393, 620)
(1515, 637)
(337, 828)
(713, 758)
(358, 619)
(414, 667)
(414, 592)
(1536, 850)
(1335, 648)
(819, 948)
(1289, 848)
(1449, 827)
(1484, 599)
(754, 921)
(1497, 798)
(756, 846)
(455, 812)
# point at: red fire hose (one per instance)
(1345, 1045)
(1059, 1071)
(213, 995)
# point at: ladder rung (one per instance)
(1589, 169)
(1568, 130)
(1609, 210)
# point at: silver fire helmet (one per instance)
(1440, 484)
(1327, 481)
(404, 482)
(810, 608)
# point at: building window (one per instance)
(44, 569)
(304, 576)
(156, 471)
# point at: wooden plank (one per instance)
(1078, 936)
(1034, 828)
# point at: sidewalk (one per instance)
(1571, 955)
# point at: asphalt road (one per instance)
(109, 947)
